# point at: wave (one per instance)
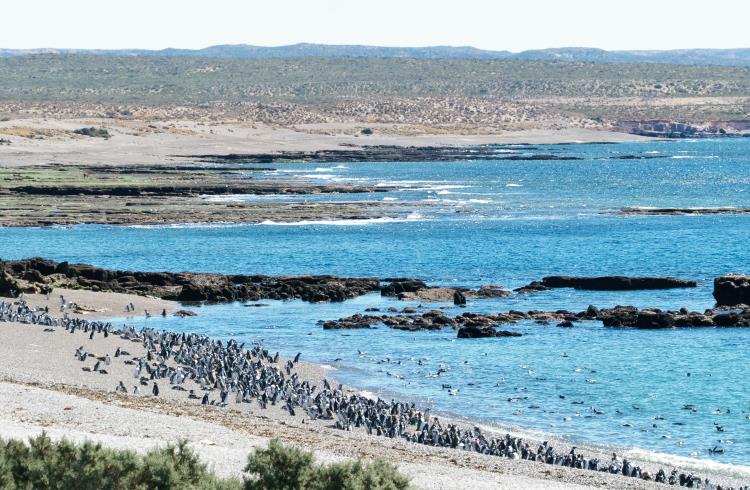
(441, 187)
(346, 222)
(513, 185)
(688, 463)
(217, 224)
(694, 157)
(304, 170)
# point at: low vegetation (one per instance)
(94, 132)
(44, 464)
(280, 468)
(428, 92)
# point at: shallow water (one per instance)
(509, 222)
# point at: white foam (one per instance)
(438, 187)
(218, 224)
(319, 176)
(513, 185)
(686, 463)
(346, 222)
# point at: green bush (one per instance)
(288, 468)
(94, 132)
(44, 464)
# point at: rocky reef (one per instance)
(473, 325)
(385, 153)
(682, 211)
(37, 275)
(607, 283)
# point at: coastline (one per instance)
(135, 142)
(60, 381)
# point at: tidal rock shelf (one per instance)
(682, 211)
(37, 275)
(386, 153)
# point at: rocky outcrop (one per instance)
(468, 325)
(397, 287)
(481, 324)
(732, 289)
(417, 290)
(483, 332)
(653, 318)
(607, 283)
(35, 275)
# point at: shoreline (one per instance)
(27, 373)
(139, 142)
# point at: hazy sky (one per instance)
(491, 24)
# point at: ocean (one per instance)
(504, 222)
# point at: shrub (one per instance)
(94, 132)
(288, 468)
(44, 464)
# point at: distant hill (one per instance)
(727, 57)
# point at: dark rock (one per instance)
(619, 316)
(732, 289)
(185, 313)
(490, 291)
(476, 332)
(398, 286)
(565, 324)
(35, 274)
(532, 287)
(616, 283)
(654, 319)
(459, 298)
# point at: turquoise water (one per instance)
(501, 222)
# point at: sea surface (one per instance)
(506, 222)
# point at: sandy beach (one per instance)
(47, 388)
